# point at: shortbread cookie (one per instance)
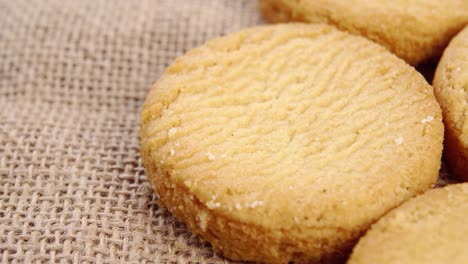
(284, 143)
(414, 30)
(451, 88)
(430, 228)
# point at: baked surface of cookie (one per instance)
(285, 142)
(451, 88)
(430, 228)
(415, 30)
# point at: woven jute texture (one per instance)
(73, 77)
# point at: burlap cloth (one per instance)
(73, 77)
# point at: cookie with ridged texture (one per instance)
(284, 143)
(415, 30)
(451, 88)
(430, 228)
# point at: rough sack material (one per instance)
(73, 77)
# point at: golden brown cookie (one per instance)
(430, 228)
(415, 30)
(284, 143)
(451, 88)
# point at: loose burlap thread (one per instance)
(73, 77)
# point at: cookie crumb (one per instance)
(203, 220)
(399, 140)
(172, 152)
(171, 131)
(256, 203)
(210, 156)
(427, 119)
(213, 204)
(188, 183)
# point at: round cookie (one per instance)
(430, 228)
(273, 143)
(415, 30)
(451, 89)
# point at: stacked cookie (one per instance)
(287, 142)
(415, 30)
(430, 228)
(451, 89)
